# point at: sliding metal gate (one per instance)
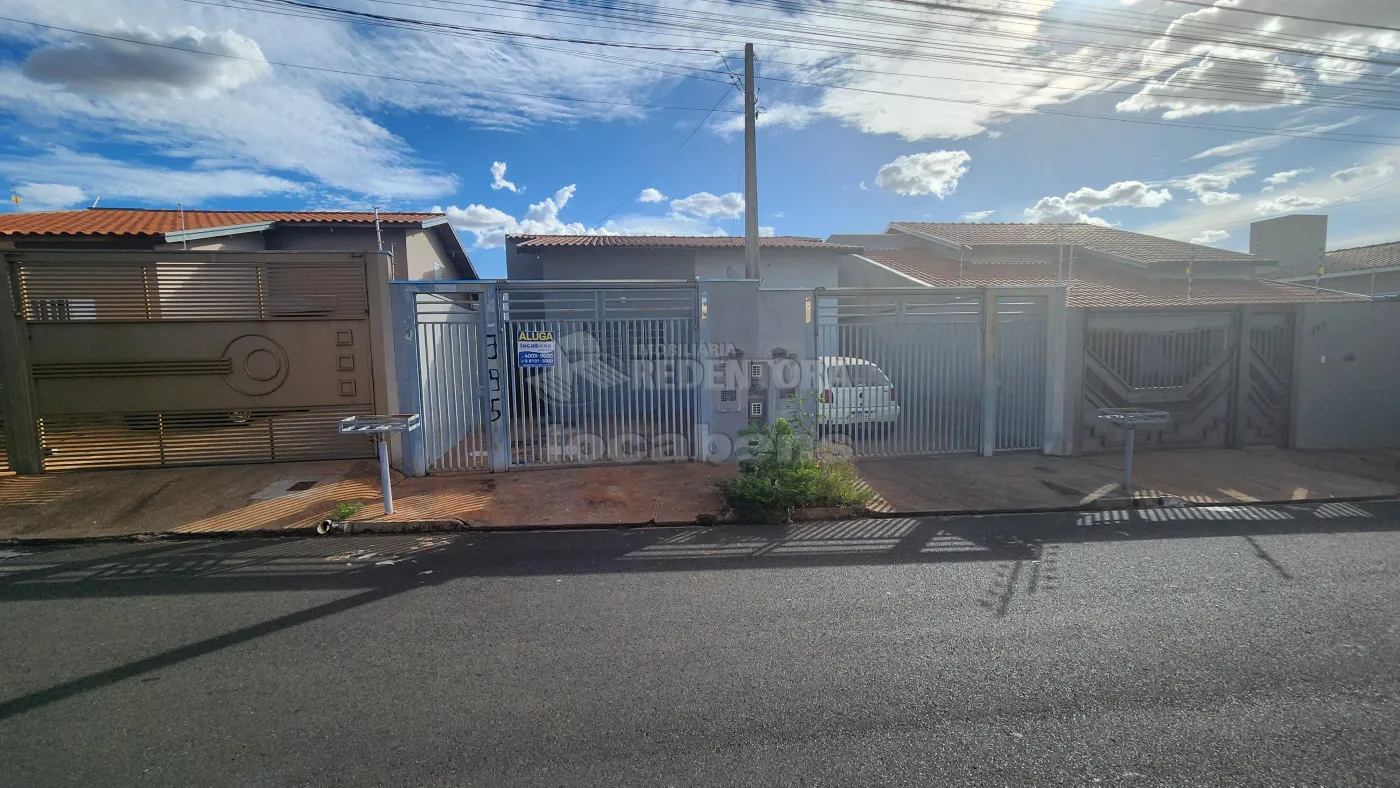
(614, 390)
(930, 391)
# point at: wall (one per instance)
(242, 242)
(423, 254)
(1362, 282)
(853, 271)
(778, 270)
(1347, 376)
(1296, 241)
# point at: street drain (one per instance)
(299, 486)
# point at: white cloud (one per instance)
(1289, 202)
(976, 216)
(935, 173)
(490, 226)
(783, 115)
(704, 205)
(64, 172)
(651, 195)
(863, 187)
(1256, 80)
(107, 67)
(498, 177)
(1381, 169)
(1211, 236)
(1254, 144)
(1280, 178)
(1077, 206)
(765, 231)
(1210, 186)
(49, 196)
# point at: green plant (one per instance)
(346, 509)
(783, 472)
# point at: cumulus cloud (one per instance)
(49, 196)
(1280, 178)
(976, 216)
(1211, 236)
(1285, 203)
(489, 226)
(108, 67)
(498, 178)
(64, 177)
(1380, 169)
(1077, 206)
(651, 195)
(1210, 186)
(935, 173)
(704, 205)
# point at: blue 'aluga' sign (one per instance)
(534, 349)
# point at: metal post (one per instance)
(1128, 459)
(378, 236)
(989, 373)
(750, 168)
(382, 446)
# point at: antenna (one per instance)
(94, 202)
(378, 236)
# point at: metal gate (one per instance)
(182, 358)
(907, 372)
(1225, 377)
(614, 390)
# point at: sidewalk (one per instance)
(295, 496)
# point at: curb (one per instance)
(461, 526)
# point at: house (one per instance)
(1188, 330)
(1367, 270)
(424, 245)
(1101, 267)
(785, 261)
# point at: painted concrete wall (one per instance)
(627, 265)
(1296, 241)
(243, 242)
(424, 255)
(1347, 376)
(1362, 282)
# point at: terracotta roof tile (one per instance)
(121, 221)
(676, 242)
(1100, 290)
(1108, 240)
(1363, 258)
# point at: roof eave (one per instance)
(212, 232)
(453, 241)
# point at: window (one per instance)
(856, 375)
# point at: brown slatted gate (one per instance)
(151, 359)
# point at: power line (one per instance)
(1215, 7)
(670, 158)
(343, 72)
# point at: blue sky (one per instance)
(153, 124)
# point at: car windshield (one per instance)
(853, 375)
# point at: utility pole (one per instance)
(751, 269)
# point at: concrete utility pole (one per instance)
(751, 268)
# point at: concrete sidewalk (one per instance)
(1021, 481)
(222, 499)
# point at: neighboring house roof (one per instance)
(1364, 258)
(676, 242)
(170, 226)
(131, 221)
(1100, 290)
(1105, 240)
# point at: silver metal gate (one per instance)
(905, 372)
(455, 431)
(618, 388)
(616, 392)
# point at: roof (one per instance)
(1364, 258)
(677, 242)
(1101, 290)
(140, 221)
(1106, 240)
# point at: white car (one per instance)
(854, 391)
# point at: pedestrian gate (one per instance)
(536, 374)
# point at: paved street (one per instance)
(1231, 646)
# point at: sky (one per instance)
(624, 116)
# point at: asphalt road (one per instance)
(1223, 647)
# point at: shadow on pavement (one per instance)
(374, 568)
